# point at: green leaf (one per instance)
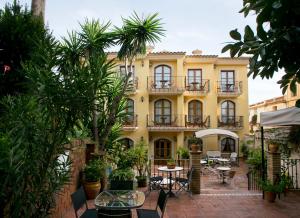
(261, 32)
(235, 34)
(277, 5)
(226, 48)
(249, 35)
(234, 50)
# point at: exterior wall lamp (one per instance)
(142, 99)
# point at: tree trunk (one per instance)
(38, 8)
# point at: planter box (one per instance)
(121, 185)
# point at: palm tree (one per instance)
(132, 38)
(38, 8)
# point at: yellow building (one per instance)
(177, 94)
(285, 101)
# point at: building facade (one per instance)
(176, 95)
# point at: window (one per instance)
(228, 145)
(162, 112)
(195, 112)
(122, 70)
(228, 112)
(129, 118)
(126, 142)
(162, 149)
(194, 79)
(162, 76)
(227, 81)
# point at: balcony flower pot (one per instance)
(270, 196)
(171, 164)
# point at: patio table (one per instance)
(223, 170)
(223, 161)
(170, 171)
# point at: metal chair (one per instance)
(184, 183)
(78, 200)
(155, 183)
(114, 213)
(233, 158)
(161, 203)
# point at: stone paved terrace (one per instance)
(223, 200)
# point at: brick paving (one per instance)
(223, 200)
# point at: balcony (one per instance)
(172, 122)
(197, 87)
(229, 89)
(168, 86)
(129, 123)
(195, 122)
(231, 122)
(132, 85)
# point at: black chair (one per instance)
(78, 200)
(184, 183)
(161, 203)
(114, 213)
(155, 183)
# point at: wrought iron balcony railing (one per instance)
(197, 86)
(197, 121)
(130, 121)
(132, 84)
(231, 121)
(165, 85)
(170, 120)
(229, 89)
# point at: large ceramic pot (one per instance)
(273, 148)
(171, 165)
(270, 196)
(121, 185)
(142, 182)
(195, 147)
(91, 189)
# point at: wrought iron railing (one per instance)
(230, 121)
(197, 86)
(169, 120)
(167, 84)
(197, 121)
(130, 120)
(290, 169)
(254, 179)
(229, 88)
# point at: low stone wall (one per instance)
(77, 152)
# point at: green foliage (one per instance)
(140, 155)
(245, 150)
(122, 174)
(268, 186)
(92, 171)
(294, 136)
(254, 119)
(20, 33)
(254, 158)
(183, 152)
(171, 161)
(276, 42)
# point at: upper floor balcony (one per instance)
(132, 85)
(197, 86)
(177, 122)
(129, 122)
(226, 89)
(231, 122)
(196, 122)
(166, 86)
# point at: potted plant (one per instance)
(273, 145)
(194, 143)
(91, 178)
(271, 190)
(121, 179)
(183, 153)
(171, 163)
(140, 154)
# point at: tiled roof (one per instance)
(268, 101)
(203, 56)
(168, 53)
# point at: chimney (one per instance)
(197, 52)
(149, 49)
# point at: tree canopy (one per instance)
(275, 43)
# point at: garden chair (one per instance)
(161, 204)
(155, 183)
(229, 175)
(78, 200)
(233, 158)
(184, 183)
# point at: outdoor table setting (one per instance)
(223, 169)
(169, 180)
(223, 161)
(113, 202)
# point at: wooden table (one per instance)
(170, 171)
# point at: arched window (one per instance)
(162, 149)
(194, 79)
(129, 118)
(228, 112)
(195, 112)
(126, 142)
(162, 111)
(227, 81)
(162, 76)
(228, 145)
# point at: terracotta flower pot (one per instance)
(91, 189)
(171, 165)
(273, 148)
(270, 196)
(195, 147)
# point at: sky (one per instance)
(189, 25)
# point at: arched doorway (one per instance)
(162, 112)
(228, 113)
(162, 149)
(195, 112)
(162, 76)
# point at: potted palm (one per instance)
(140, 153)
(271, 190)
(92, 175)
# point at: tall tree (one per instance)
(276, 42)
(38, 8)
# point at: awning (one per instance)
(284, 117)
(208, 132)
